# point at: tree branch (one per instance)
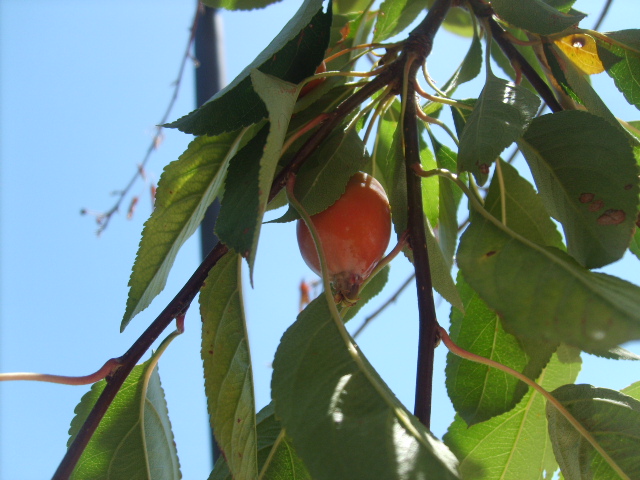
(178, 306)
(515, 57)
(417, 49)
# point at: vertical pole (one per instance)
(209, 80)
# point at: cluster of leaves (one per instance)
(525, 294)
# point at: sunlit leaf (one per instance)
(469, 68)
(279, 464)
(343, 419)
(543, 294)
(588, 178)
(186, 189)
(516, 444)
(227, 367)
(632, 390)
(577, 85)
(292, 56)
(613, 420)
(620, 54)
(134, 439)
(582, 50)
(536, 16)
(500, 117)
(450, 196)
(479, 392)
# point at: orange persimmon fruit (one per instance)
(354, 233)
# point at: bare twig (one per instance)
(603, 14)
(382, 307)
(103, 218)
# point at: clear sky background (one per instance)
(82, 85)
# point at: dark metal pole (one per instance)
(209, 80)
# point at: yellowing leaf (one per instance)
(582, 51)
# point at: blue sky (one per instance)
(82, 85)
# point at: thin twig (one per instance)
(104, 218)
(603, 14)
(382, 307)
(109, 367)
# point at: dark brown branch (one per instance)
(516, 58)
(174, 309)
(334, 118)
(186, 295)
(417, 49)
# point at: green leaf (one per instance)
(479, 392)
(562, 5)
(239, 4)
(542, 293)
(632, 390)
(292, 56)
(524, 211)
(252, 171)
(227, 367)
(324, 176)
(450, 196)
(282, 463)
(621, 58)
(134, 438)
(515, 444)
(577, 85)
(186, 188)
(349, 6)
(238, 215)
(536, 16)
(635, 244)
(613, 420)
(457, 20)
(588, 178)
(343, 419)
(394, 16)
(430, 186)
(500, 117)
(468, 69)
(440, 270)
(280, 99)
(384, 157)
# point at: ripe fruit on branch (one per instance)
(314, 83)
(354, 232)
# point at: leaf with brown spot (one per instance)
(612, 217)
(539, 291)
(573, 152)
